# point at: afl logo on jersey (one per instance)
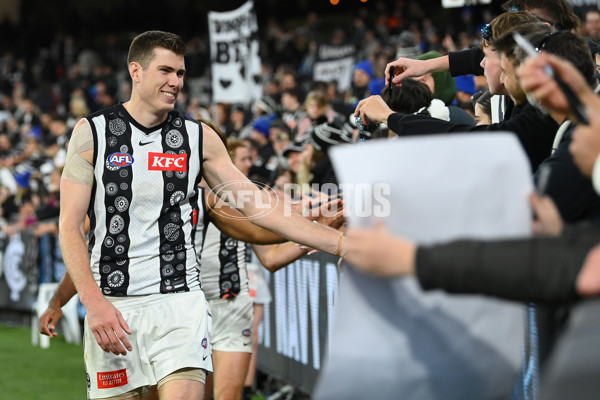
(204, 343)
(120, 159)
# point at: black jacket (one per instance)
(571, 191)
(542, 269)
(465, 62)
(535, 131)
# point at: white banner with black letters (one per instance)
(236, 74)
(335, 63)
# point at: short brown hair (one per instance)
(507, 22)
(505, 43)
(142, 46)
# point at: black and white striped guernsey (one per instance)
(144, 205)
(222, 264)
(221, 259)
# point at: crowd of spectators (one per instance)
(43, 96)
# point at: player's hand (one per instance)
(49, 319)
(331, 214)
(108, 326)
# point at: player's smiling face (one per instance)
(162, 80)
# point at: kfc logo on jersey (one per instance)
(167, 162)
(120, 159)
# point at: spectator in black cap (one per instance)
(293, 156)
(295, 146)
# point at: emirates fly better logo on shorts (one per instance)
(111, 379)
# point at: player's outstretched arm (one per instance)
(219, 170)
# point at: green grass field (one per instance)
(31, 373)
